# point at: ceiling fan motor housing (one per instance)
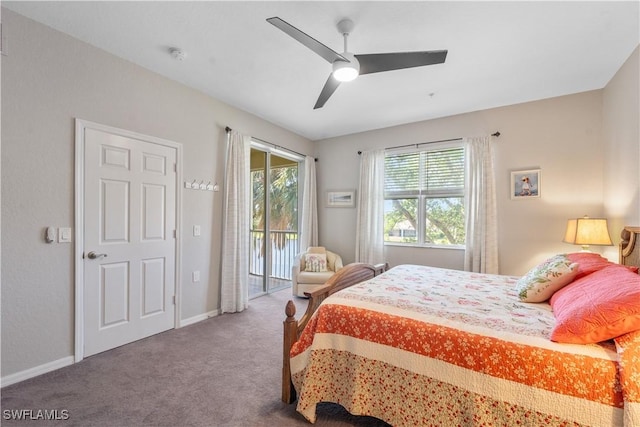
(346, 71)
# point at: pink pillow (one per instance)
(597, 307)
(589, 262)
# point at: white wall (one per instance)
(561, 136)
(48, 80)
(621, 137)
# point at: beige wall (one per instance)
(621, 138)
(587, 145)
(48, 80)
(561, 136)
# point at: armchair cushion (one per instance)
(311, 250)
(314, 278)
(315, 262)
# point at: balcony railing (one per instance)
(284, 247)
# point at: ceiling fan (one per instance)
(347, 66)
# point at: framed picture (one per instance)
(341, 199)
(525, 184)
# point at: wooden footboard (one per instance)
(349, 275)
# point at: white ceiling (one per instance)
(500, 53)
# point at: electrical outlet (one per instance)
(196, 230)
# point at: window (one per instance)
(424, 197)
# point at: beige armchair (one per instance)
(310, 271)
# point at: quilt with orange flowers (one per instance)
(423, 346)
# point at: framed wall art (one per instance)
(525, 184)
(341, 199)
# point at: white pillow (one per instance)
(542, 281)
(315, 262)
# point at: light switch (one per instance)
(196, 276)
(196, 230)
(64, 235)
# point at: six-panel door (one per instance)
(130, 221)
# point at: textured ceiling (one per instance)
(500, 53)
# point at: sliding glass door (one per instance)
(274, 219)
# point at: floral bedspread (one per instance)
(428, 346)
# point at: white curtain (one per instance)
(309, 226)
(235, 232)
(481, 254)
(370, 214)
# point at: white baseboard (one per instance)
(198, 318)
(69, 360)
(35, 371)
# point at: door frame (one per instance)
(80, 126)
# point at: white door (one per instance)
(129, 239)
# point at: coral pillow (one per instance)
(315, 262)
(544, 279)
(590, 262)
(600, 306)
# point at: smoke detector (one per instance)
(177, 53)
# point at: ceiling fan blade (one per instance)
(329, 87)
(327, 53)
(378, 62)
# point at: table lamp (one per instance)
(587, 231)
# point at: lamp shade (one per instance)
(587, 231)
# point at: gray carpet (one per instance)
(224, 371)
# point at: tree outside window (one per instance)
(424, 197)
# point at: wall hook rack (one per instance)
(195, 185)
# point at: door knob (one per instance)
(94, 255)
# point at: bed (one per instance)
(418, 345)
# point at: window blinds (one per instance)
(434, 173)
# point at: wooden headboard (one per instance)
(630, 246)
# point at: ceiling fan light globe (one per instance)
(345, 74)
(346, 71)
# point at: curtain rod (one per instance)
(496, 134)
(228, 129)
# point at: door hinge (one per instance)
(175, 234)
(174, 300)
(175, 167)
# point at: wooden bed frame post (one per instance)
(290, 337)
